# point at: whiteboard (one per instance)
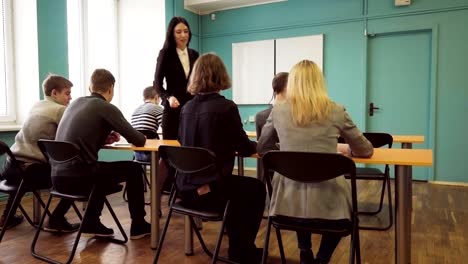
(255, 63)
(290, 51)
(252, 71)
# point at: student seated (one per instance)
(211, 121)
(41, 123)
(147, 119)
(90, 122)
(279, 83)
(308, 120)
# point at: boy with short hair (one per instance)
(41, 123)
(90, 122)
(147, 118)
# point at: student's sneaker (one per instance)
(97, 229)
(139, 229)
(60, 225)
(14, 221)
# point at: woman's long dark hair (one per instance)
(170, 41)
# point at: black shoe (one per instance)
(14, 221)
(60, 225)
(97, 229)
(139, 229)
(254, 256)
(306, 257)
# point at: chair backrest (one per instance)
(309, 167)
(188, 159)
(59, 151)
(377, 140)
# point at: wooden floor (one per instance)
(440, 235)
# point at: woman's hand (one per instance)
(173, 102)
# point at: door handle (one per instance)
(372, 108)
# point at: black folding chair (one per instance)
(377, 140)
(309, 167)
(63, 152)
(18, 190)
(198, 162)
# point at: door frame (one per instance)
(434, 29)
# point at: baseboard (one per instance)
(462, 184)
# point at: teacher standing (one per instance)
(174, 64)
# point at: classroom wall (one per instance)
(343, 23)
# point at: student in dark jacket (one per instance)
(211, 121)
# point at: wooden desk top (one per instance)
(395, 156)
(408, 138)
(151, 145)
(396, 138)
(411, 157)
(251, 134)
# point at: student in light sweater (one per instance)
(41, 123)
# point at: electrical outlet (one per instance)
(251, 119)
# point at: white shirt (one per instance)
(184, 59)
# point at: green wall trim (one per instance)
(419, 12)
(326, 22)
(284, 27)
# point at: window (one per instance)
(7, 104)
(19, 67)
(122, 36)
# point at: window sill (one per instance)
(9, 127)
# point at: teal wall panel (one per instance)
(52, 38)
(345, 56)
(345, 61)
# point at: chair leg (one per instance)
(390, 203)
(220, 235)
(267, 242)
(36, 236)
(382, 194)
(77, 211)
(280, 245)
(355, 248)
(16, 203)
(163, 235)
(25, 214)
(122, 231)
(200, 238)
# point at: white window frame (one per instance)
(7, 24)
(22, 61)
(134, 34)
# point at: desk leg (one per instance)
(155, 201)
(36, 209)
(408, 145)
(240, 166)
(259, 170)
(403, 208)
(188, 236)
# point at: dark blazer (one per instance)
(169, 67)
(213, 122)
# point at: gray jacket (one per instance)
(327, 200)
